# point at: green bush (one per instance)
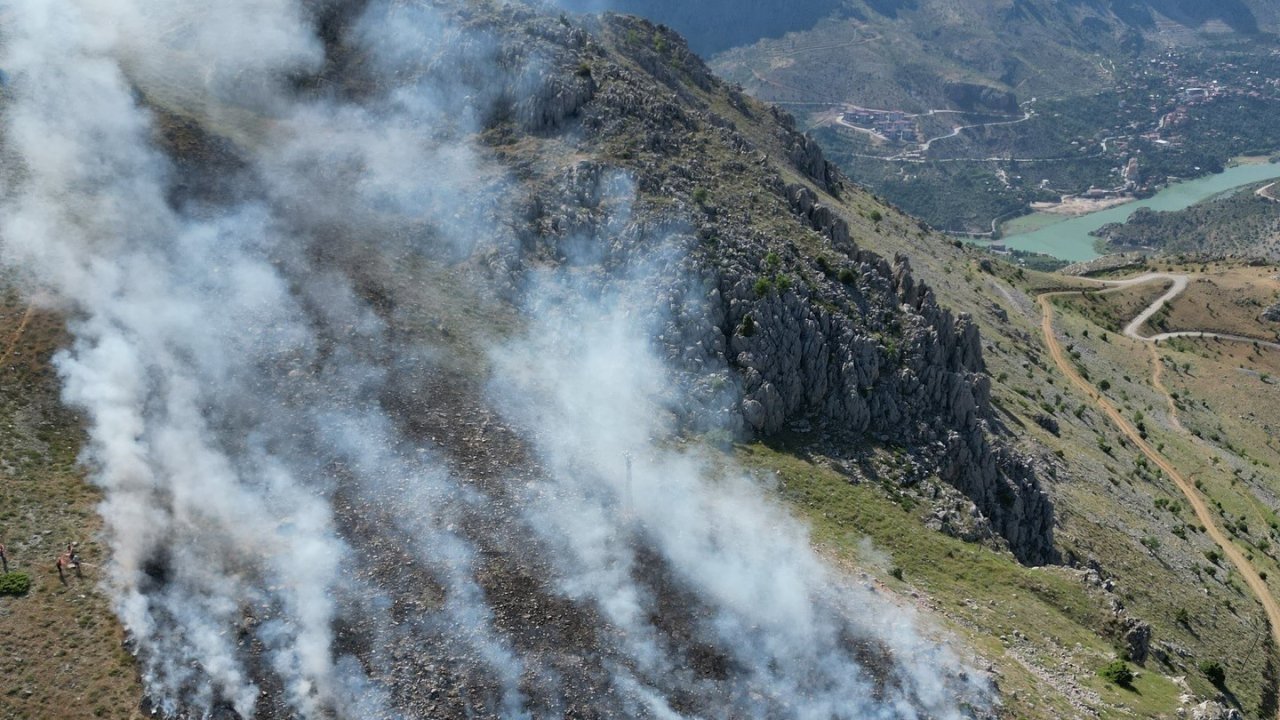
(763, 286)
(700, 195)
(846, 276)
(1213, 670)
(15, 583)
(1117, 672)
(748, 327)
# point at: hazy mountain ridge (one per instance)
(904, 60)
(716, 26)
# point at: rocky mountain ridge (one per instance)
(815, 327)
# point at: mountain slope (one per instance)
(492, 364)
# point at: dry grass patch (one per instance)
(1227, 300)
(62, 655)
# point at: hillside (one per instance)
(607, 396)
(719, 25)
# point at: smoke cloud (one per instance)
(293, 532)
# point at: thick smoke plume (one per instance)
(282, 537)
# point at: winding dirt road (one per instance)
(1197, 503)
(1179, 285)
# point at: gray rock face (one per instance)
(1137, 639)
(1272, 314)
(1214, 710)
(763, 332)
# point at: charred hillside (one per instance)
(403, 370)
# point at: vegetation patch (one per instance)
(15, 583)
(1117, 672)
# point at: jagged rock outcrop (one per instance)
(805, 153)
(1272, 314)
(763, 293)
(1137, 639)
(1214, 710)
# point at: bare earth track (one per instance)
(1229, 550)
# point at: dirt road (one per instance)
(1180, 283)
(1203, 515)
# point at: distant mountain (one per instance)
(905, 53)
(717, 25)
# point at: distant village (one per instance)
(892, 125)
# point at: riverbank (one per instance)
(1069, 237)
(1075, 206)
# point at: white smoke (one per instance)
(586, 383)
(233, 379)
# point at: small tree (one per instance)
(15, 583)
(1214, 671)
(1117, 672)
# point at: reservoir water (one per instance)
(1068, 237)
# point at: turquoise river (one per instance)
(1068, 237)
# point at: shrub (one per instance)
(876, 216)
(1212, 670)
(1117, 672)
(763, 286)
(896, 573)
(15, 583)
(782, 282)
(846, 276)
(700, 195)
(748, 327)
(1104, 385)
